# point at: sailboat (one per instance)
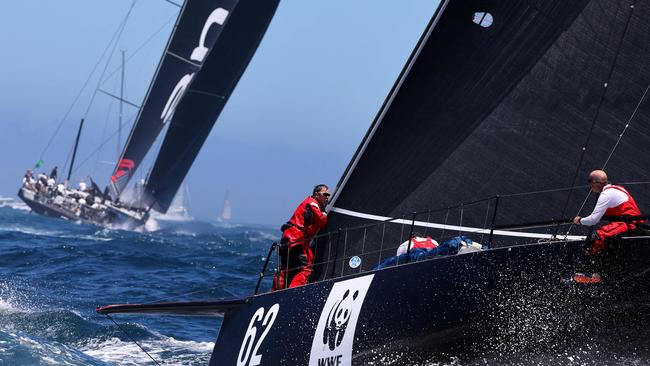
(497, 117)
(208, 51)
(178, 212)
(226, 213)
(180, 207)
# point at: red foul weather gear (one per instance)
(296, 256)
(627, 208)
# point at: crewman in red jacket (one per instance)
(296, 256)
(613, 201)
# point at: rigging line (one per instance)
(173, 3)
(629, 121)
(103, 138)
(108, 59)
(67, 113)
(620, 137)
(611, 71)
(146, 42)
(109, 138)
(597, 114)
(126, 18)
(132, 339)
(542, 191)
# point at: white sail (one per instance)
(178, 211)
(226, 214)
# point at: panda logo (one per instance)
(337, 320)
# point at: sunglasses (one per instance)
(590, 180)
(326, 194)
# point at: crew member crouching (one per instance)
(296, 255)
(613, 201)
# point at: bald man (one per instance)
(613, 201)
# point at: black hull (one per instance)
(47, 208)
(422, 309)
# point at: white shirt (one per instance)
(608, 198)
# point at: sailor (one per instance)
(51, 182)
(296, 256)
(613, 201)
(54, 173)
(42, 182)
(106, 195)
(82, 186)
(28, 180)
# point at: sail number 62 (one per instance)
(245, 358)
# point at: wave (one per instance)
(165, 350)
(24, 349)
(13, 204)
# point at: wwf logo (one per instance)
(334, 335)
(338, 319)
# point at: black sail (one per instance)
(184, 54)
(498, 99)
(206, 96)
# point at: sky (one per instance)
(294, 120)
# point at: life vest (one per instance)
(627, 208)
(308, 217)
(418, 242)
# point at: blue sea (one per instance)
(53, 274)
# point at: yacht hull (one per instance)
(418, 310)
(109, 218)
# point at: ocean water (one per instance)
(53, 274)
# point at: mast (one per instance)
(119, 123)
(74, 151)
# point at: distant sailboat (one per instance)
(178, 212)
(208, 51)
(226, 214)
(180, 207)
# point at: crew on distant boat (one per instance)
(296, 255)
(54, 173)
(28, 180)
(613, 201)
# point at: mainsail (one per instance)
(498, 99)
(185, 53)
(205, 96)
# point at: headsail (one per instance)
(499, 97)
(184, 54)
(206, 95)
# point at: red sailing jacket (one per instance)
(308, 217)
(628, 208)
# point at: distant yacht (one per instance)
(179, 210)
(226, 214)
